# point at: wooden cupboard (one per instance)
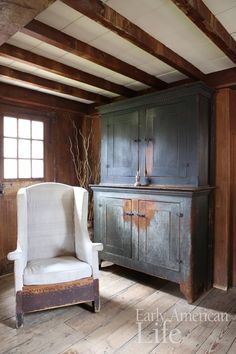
(161, 228)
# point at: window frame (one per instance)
(30, 117)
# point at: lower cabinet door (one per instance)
(116, 226)
(159, 234)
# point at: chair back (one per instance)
(50, 219)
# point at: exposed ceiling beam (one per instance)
(220, 79)
(13, 94)
(206, 21)
(109, 18)
(15, 53)
(223, 78)
(63, 41)
(16, 14)
(55, 86)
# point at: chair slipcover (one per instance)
(53, 244)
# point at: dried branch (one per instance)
(86, 163)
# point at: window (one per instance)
(23, 148)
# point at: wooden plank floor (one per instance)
(139, 314)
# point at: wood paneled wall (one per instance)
(93, 122)
(222, 193)
(232, 251)
(61, 130)
(225, 194)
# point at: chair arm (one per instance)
(13, 256)
(97, 246)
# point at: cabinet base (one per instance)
(189, 292)
(188, 289)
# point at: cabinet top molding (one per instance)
(154, 190)
(158, 97)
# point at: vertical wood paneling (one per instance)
(233, 188)
(222, 193)
(62, 129)
(233, 207)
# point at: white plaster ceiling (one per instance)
(164, 21)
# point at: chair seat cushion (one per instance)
(55, 270)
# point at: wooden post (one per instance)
(222, 193)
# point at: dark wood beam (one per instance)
(199, 14)
(223, 78)
(16, 14)
(63, 41)
(38, 61)
(15, 94)
(55, 86)
(109, 18)
(219, 79)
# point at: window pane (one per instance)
(37, 130)
(10, 168)
(37, 169)
(24, 168)
(24, 148)
(24, 128)
(10, 127)
(10, 147)
(37, 149)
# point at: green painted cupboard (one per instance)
(161, 227)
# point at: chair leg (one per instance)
(96, 304)
(100, 264)
(19, 320)
(19, 310)
(96, 301)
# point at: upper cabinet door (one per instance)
(168, 142)
(120, 147)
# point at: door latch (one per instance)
(129, 213)
(141, 215)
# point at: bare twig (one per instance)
(86, 163)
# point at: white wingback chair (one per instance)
(56, 264)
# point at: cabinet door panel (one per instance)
(116, 228)
(122, 145)
(167, 141)
(159, 235)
